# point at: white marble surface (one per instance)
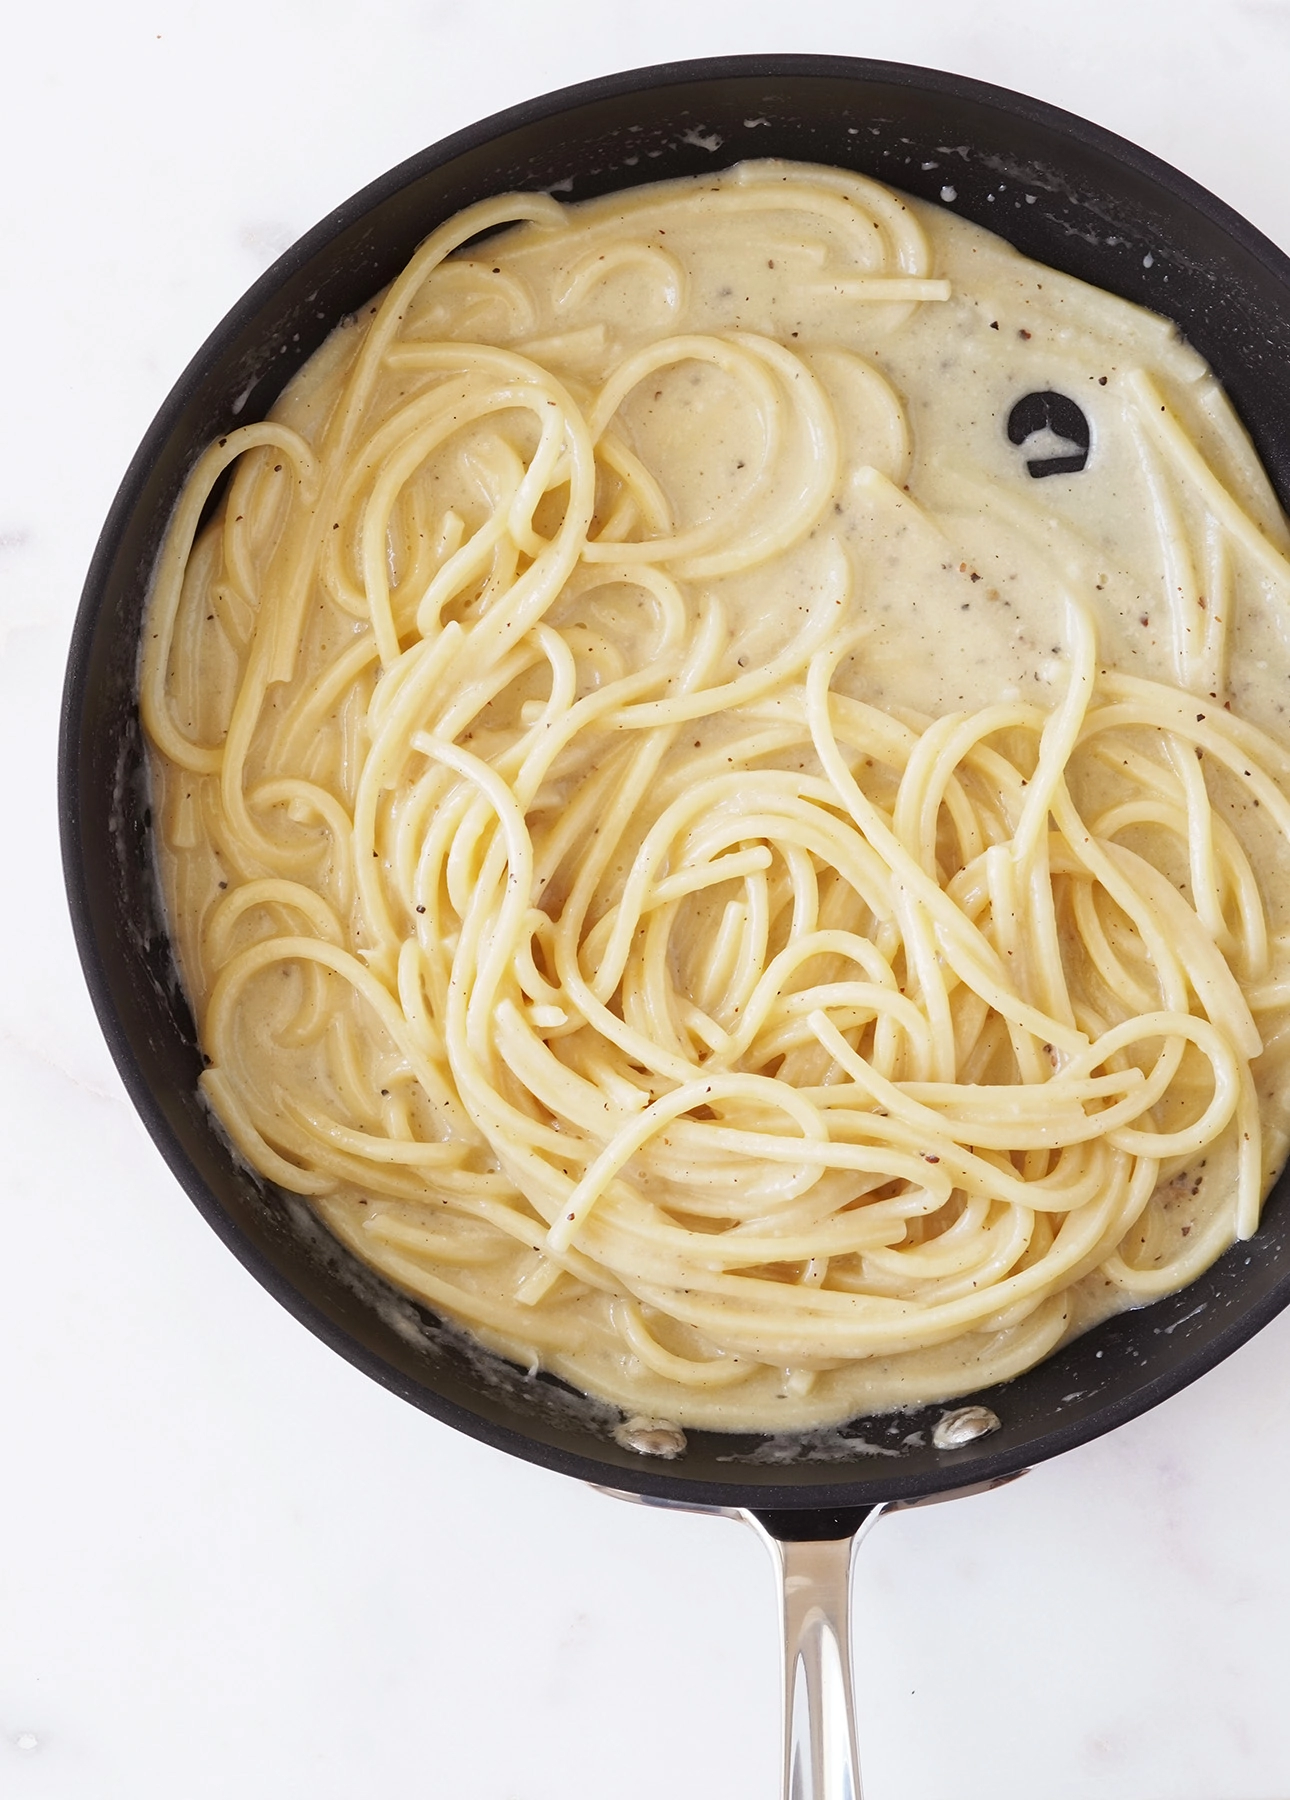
(231, 1565)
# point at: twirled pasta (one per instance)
(570, 914)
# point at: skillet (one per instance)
(1064, 192)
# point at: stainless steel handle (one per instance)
(820, 1757)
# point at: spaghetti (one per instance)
(592, 897)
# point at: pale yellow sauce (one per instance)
(957, 562)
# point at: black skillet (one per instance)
(1063, 191)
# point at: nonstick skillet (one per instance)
(1062, 191)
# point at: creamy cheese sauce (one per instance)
(815, 323)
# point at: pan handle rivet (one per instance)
(964, 1426)
(651, 1437)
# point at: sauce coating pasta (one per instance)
(722, 794)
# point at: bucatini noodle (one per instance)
(721, 773)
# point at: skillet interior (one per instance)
(1065, 193)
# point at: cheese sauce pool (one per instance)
(467, 961)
